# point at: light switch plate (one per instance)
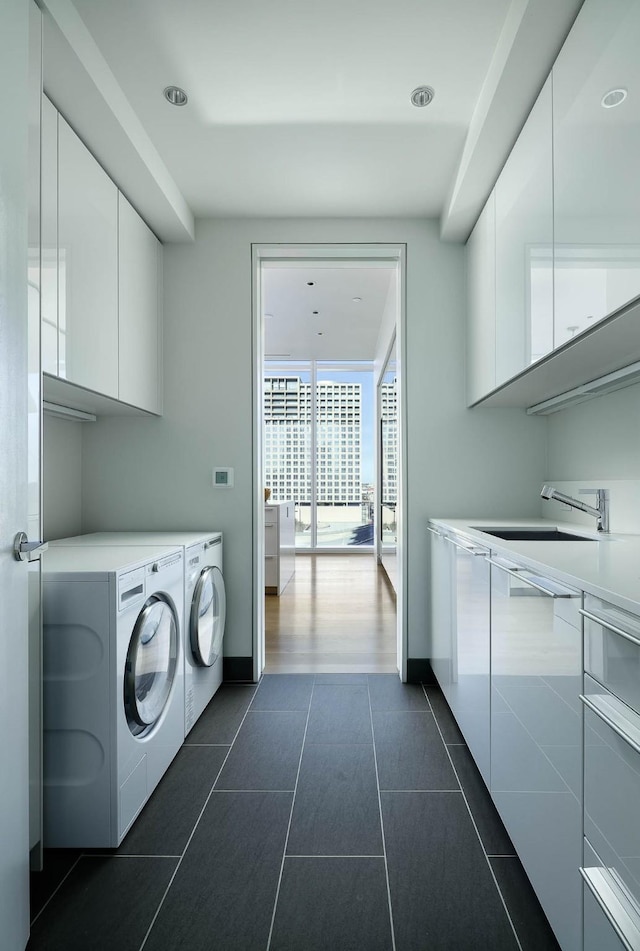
(222, 477)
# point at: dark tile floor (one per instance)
(312, 813)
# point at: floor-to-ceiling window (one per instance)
(318, 449)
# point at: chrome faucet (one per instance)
(600, 512)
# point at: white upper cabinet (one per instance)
(524, 246)
(481, 309)
(596, 162)
(139, 267)
(101, 284)
(49, 237)
(87, 268)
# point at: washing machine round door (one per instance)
(208, 609)
(151, 664)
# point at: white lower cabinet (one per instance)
(536, 736)
(441, 607)
(460, 636)
(468, 692)
(611, 699)
(279, 546)
(544, 682)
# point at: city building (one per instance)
(287, 440)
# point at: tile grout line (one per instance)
(286, 838)
(197, 822)
(473, 821)
(384, 843)
(56, 890)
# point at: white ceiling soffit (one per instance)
(309, 310)
(82, 86)
(533, 34)
(302, 109)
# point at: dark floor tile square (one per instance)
(444, 717)
(332, 903)
(336, 810)
(223, 895)
(339, 714)
(284, 692)
(410, 752)
(387, 692)
(529, 920)
(443, 896)
(342, 679)
(220, 720)
(166, 822)
(495, 837)
(106, 902)
(266, 753)
(56, 864)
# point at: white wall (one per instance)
(597, 444)
(146, 474)
(62, 477)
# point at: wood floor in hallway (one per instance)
(336, 615)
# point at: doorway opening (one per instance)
(328, 459)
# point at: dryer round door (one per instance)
(151, 664)
(208, 609)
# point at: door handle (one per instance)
(24, 550)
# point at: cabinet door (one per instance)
(441, 608)
(536, 741)
(596, 154)
(524, 246)
(138, 311)
(87, 268)
(49, 237)
(469, 690)
(481, 305)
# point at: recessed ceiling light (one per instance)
(613, 98)
(310, 283)
(319, 333)
(175, 95)
(422, 96)
(356, 300)
(315, 312)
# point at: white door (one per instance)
(14, 776)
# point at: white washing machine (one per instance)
(113, 686)
(204, 606)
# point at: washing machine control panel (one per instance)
(130, 588)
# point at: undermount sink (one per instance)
(533, 534)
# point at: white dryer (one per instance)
(113, 686)
(204, 606)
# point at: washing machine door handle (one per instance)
(208, 611)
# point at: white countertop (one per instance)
(608, 567)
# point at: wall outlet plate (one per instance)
(222, 477)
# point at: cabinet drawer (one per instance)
(271, 539)
(611, 916)
(612, 649)
(612, 783)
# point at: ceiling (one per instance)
(298, 108)
(302, 108)
(310, 312)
